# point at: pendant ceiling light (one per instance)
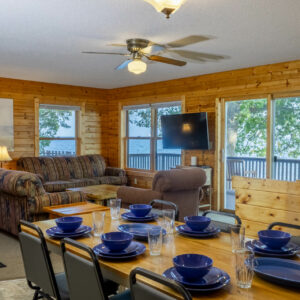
(137, 66)
(167, 7)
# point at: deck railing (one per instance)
(56, 153)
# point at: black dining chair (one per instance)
(140, 290)
(38, 267)
(84, 275)
(223, 220)
(294, 239)
(160, 204)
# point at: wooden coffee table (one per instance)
(73, 209)
(98, 193)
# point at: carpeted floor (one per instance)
(13, 285)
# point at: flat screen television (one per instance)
(185, 131)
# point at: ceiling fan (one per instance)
(140, 48)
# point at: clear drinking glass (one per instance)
(244, 265)
(155, 241)
(237, 236)
(169, 220)
(98, 222)
(115, 206)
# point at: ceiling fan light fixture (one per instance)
(137, 66)
(167, 7)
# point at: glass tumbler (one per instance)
(169, 220)
(115, 206)
(244, 265)
(237, 236)
(155, 241)
(98, 222)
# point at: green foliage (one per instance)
(50, 121)
(247, 128)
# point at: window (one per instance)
(58, 130)
(144, 149)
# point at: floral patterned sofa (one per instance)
(60, 173)
(22, 196)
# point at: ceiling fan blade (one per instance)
(113, 53)
(196, 55)
(189, 40)
(117, 45)
(167, 60)
(153, 48)
(123, 64)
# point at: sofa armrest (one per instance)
(110, 171)
(50, 199)
(132, 195)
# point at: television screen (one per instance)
(185, 131)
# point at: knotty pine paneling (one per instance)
(24, 94)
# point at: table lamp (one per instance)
(4, 156)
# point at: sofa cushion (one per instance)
(68, 168)
(58, 186)
(84, 182)
(92, 165)
(113, 180)
(44, 166)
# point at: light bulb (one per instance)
(137, 66)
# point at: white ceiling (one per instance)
(42, 40)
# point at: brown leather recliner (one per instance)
(180, 186)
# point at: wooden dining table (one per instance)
(218, 248)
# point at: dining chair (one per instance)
(38, 267)
(164, 203)
(84, 275)
(223, 220)
(294, 239)
(140, 290)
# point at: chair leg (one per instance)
(36, 295)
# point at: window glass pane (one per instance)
(138, 154)
(172, 110)
(139, 122)
(286, 165)
(57, 123)
(166, 158)
(57, 147)
(245, 143)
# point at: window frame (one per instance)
(76, 138)
(153, 132)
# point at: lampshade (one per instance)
(166, 6)
(4, 156)
(137, 66)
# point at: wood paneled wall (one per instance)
(27, 93)
(200, 93)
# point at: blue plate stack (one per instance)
(198, 227)
(273, 243)
(68, 227)
(118, 246)
(197, 274)
(139, 213)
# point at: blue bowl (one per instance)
(68, 224)
(116, 241)
(192, 266)
(274, 239)
(197, 223)
(140, 210)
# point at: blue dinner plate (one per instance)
(54, 233)
(197, 235)
(250, 246)
(280, 271)
(139, 250)
(131, 217)
(138, 230)
(102, 249)
(210, 229)
(260, 246)
(214, 276)
(225, 280)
